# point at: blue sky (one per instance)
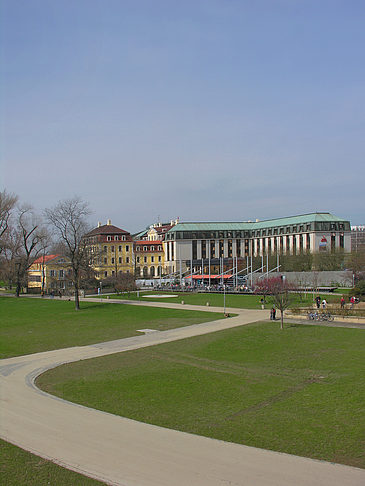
(206, 110)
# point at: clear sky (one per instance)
(205, 110)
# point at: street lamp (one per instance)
(17, 264)
(224, 299)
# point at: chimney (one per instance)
(109, 222)
(99, 224)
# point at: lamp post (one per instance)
(17, 264)
(224, 299)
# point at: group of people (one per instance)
(273, 314)
(319, 303)
(353, 300)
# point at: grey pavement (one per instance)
(124, 452)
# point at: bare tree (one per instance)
(69, 221)
(7, 204)
(22, 242)
(280, 295)
(31, 239)
(122, 282)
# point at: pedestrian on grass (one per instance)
(273, 311)
(342, 302)
(352, 301)
(318, 302)
(324, 304)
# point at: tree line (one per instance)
(26, 235)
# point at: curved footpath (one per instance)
(124, 452)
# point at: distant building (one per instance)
(111, 250)
(149, 254)
(357, 238)
(149, 258)
(50, 273)
(203, 244)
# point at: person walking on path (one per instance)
(342, 302)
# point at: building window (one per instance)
(145, 248)
(144, 259)
(138, 258)
(61, 273)
(109, 238)
(127, 248)
(105, 249)
(112, 248)
(204, 249)
(152, 259)
(52, 273)
(342, 242)
(152, 248)
(113, 273)
(127, 260)
(120, 260)
(105, 274)
(308, 245)
(333, 242)
(221, 248)
(116, 238)
(160, 248)
(160, 258)
(105, 261)
(113, 261)
(212, 249)
(120, 248)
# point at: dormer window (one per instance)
(116, 238)
(109, 238)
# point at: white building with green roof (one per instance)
(203, 243)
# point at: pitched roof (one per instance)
(45, 258)
(107, 229)
(148, 242)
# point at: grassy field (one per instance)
(20, 468)
(243, 301)
(33, 325)
(300, 391)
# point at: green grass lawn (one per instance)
(300, 391)
(31, 325)
(243, 301)
(21, 468)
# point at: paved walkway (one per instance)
(124, 452)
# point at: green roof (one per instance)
(253, 225)
(301, 219)
(210, 227)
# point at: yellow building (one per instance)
(50, 273)
(149, 259)
(111, 250)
